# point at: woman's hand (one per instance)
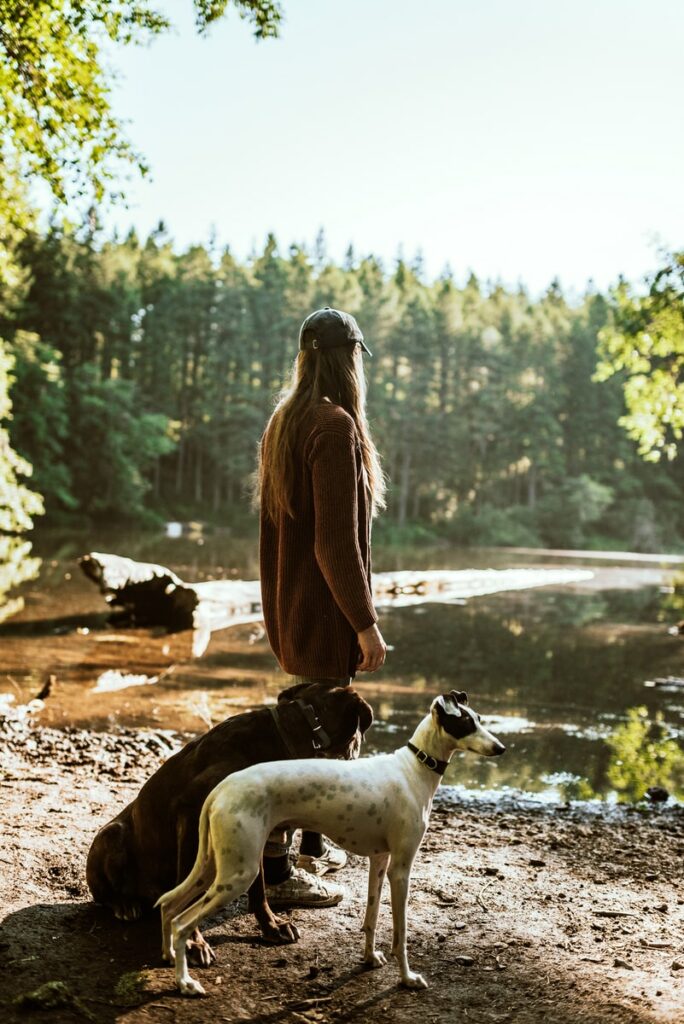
(373, 649)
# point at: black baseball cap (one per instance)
(330, 328)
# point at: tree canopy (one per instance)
(147, 375)
(56, 118)
(57, 126)
(644, 341)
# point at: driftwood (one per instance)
(144, 594)
(152, 595)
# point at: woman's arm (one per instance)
(336, 545)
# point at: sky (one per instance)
(521, 139)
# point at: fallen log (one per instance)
(153, 595)
(145, 594)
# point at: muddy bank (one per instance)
(523, 914)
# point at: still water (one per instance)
(582, 680)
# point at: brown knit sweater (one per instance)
(316, 568)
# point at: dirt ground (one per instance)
(525, 914)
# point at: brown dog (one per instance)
(151, 845)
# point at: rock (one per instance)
(657, 794)
(535, 863)
(617, 962)
(677, 965)
(464, 961)
(50, 996)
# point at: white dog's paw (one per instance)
(376, 959)
(191, 988)
(412, 980)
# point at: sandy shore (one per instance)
(517, 913)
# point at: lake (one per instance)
(582, 680)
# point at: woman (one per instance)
(319, 485)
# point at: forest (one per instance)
(143, 377)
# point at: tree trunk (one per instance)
(532, 486)
(180, 465)
(198, 476)
(404, 486)
(415, 511)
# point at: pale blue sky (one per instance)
(523, 139)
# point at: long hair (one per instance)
(337, 374)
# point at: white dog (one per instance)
(377, 806)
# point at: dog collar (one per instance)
(320, 739)
(428, 760)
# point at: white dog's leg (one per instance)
(377, 868)
(399, 877)
(182, 896)
(203, 871)
(185, 923)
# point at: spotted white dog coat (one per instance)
(377, 806)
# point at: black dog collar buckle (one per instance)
(428, 760)
(321, 740)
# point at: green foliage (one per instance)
(56, 117)
(112, 445)
(481, 401)
(265, 15)
(566, 510)
(16, 567)
(642, 754)
(55, 113)
(57, 126)
(493, 527)
(673, 603)
(18, 504)
(41, 426)
(53, 995)
(130, 988)
(644, 343)
(407, 536)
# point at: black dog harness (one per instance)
(428, 760)
(319, 739)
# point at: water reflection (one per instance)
(113, 680)
(17, 566)
(673, 604)
(554, 670)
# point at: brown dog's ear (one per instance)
(365, 715)
(292, 692)
(460, 696)
(352, 711)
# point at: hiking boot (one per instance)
(332, 859)
(304, 889)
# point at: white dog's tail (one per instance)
(204, 861)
